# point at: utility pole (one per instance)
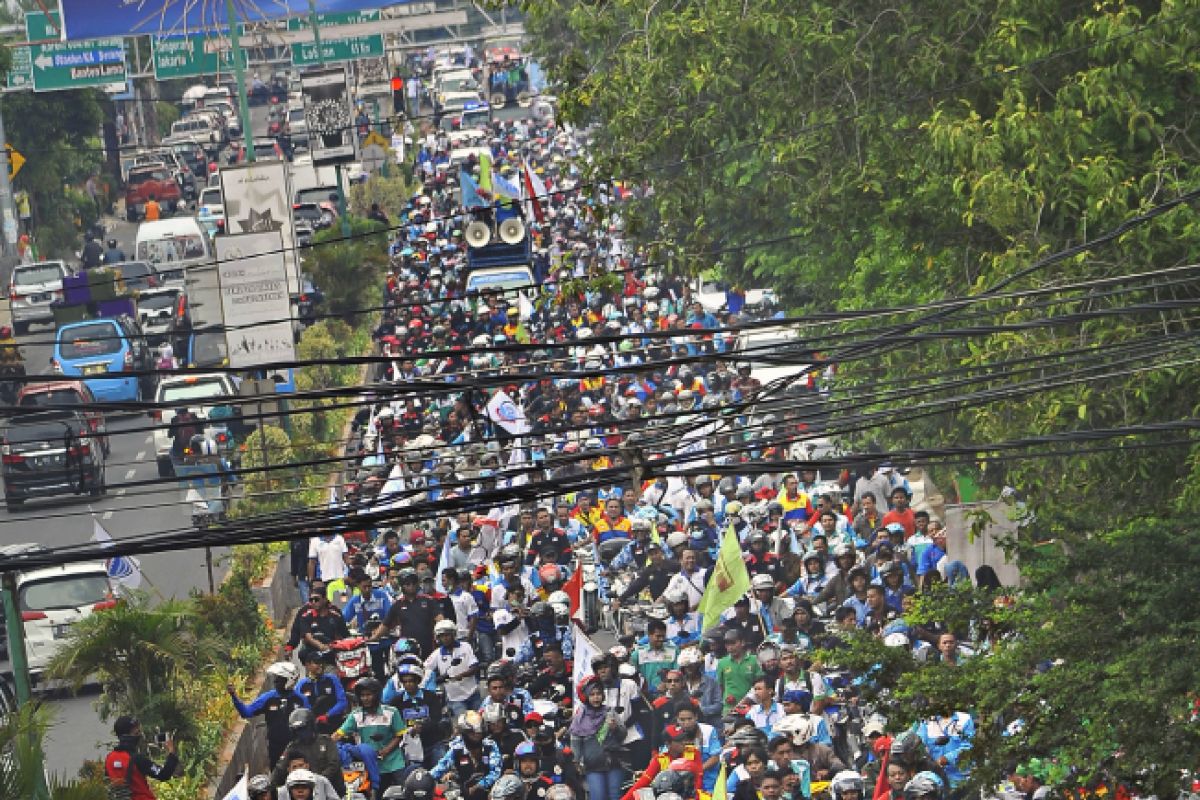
(18, 658)
(8, 211)
(314, 21)
(239, 74)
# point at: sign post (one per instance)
(326, 49)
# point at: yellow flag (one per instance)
(719, 792)
(728, 581)
(485, 177)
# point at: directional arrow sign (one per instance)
(71, 65)
(189, 56)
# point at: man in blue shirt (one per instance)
(366, 611)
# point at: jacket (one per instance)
(594, 755)
(124, 758)
(322, 755)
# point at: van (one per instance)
(173, 245)
(106, 354)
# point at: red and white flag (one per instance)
(534, 191)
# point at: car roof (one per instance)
(39, 574)
(51, 386)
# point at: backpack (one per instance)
(123, 790)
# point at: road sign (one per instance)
(333, 20)
(189, 56)
(71, 65)
(15, 161)
(305, 54)
(20, 75)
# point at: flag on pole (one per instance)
(574, 589)
(125, 570)
(240, 790)
(720, 792)
(469, 196)
(485, 189)
(727, 582)
(443, 563)
(585, 650)
(534, 191)
(505, 188)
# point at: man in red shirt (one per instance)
(125, 766)
(901, 513)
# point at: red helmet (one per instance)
(549, 573)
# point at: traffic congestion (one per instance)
(599, 526)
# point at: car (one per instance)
(199, 393)
(264, 150)
(197, 127)
(211, 210)
(308, 300)
(192, 153)
(31, 290)
(162, 313)
(205, 349)
(298, 127)
(63, 394)
(152, 180)
(109, 354)
(137, 275)
(310, 218)
(50, 453)
(52, 599)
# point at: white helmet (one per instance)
(285, 670)
(762, 581)
(301, 777)
(846, 781)
(445, 626)
(559, 598)
(688, 656)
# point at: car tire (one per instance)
(20, 328)
(13, 503)
(165, 470)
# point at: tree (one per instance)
(349, 271)
(21, 735)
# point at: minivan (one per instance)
(171, 245)
(31, 290)
(107, 354)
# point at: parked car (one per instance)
(51, 600)
(151, 180)
(53, 453)
(31, 290)
(199, 393)
(110, 355)
(58, 395)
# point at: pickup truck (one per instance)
(151, 179)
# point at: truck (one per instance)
(499, 253)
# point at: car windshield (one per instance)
(318, 195)
(208, 348)
(184, 246)
(310, 212)
(296, 115)
(155, 302)
(87, 341)
(66, 591)
(133, 269)
(38, 273)
(264, 150)
(210, 197)
(193, 390)
(53, 397)
(147, 175)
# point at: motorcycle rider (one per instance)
(544, 628)
(495, 725)
(454, 665)
(114, 254)
(318, 750)
(514, 702)
(379, 730)
(423, 709)
(475, 760)
(304, 784)
(276, 706)
(322, 691)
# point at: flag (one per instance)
(469, 196)
(727, 582)
(443, 563)
(508, 415)
(484, 189)
(125, 570)
(534, 191)
(391, 496)
(505, 188)
(574, 588)
(585, 650)
(240, 790)
(720, 792)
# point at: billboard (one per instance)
(257, 199)
(254, 300)
(329, 115)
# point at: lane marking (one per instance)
(106, 515)
(121, 492)
(141, 455)
(130, 473)
(150, 439)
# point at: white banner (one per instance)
(254, 299)
(585, 650)
(257, 199)
(507, 414)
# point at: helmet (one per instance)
(419, 785)
(300, 718)
(843, 550)
(284, 670)
(526, 750)
(406, 646)
(549, 573)
(669, 780)
(508, 787)
(112, 243)
(470, 722)
(810, 555)
(445, 626)
(560, 791)
(492, 714)
(540, 609)
(407, 575)
(410, 669)
(301, 777)
(394, 793)
(846, 781)
(762, 582)
(688, 656)
(908, 749)
(510, 552)
(559, 598)
(675, 596)
(258, 784)
(367, 684)
(925, 785)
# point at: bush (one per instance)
(349, 272)
(392, 193)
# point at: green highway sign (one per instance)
(333, 20)
(190, 56)
(20, 76)
(71, 65)
(305, 54)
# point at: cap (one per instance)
(873, 727)
(124, 726)
(674, 732)
(533, 718)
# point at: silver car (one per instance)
(31, 290)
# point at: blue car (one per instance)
(106, 354)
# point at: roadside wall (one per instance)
(984, 549)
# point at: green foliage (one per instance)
(21, 736)
(167, 114)
(392, 193)
(349, 272)
(273, 490)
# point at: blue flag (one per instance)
(469, 191)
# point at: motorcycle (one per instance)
(351, 660)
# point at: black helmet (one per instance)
(541, 609)
(419, 785)
(669, 780)
(908, 749)
(925, 785)
(407, 575)
(300, 718)
(112, 243)
(368, 684)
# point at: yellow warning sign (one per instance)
(15, 161)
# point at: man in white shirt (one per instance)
(327, 558)
(455, 666)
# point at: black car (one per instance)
(138, 275)
(50, 453)
(307, 301)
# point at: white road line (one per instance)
(150, 439)
(121, 492)
(141, 454)
(106, 515)
(130, 473)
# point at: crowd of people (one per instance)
(453, 656)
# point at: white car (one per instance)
(198, 393)
(52, 599)
(210, 210)
(31, 290)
